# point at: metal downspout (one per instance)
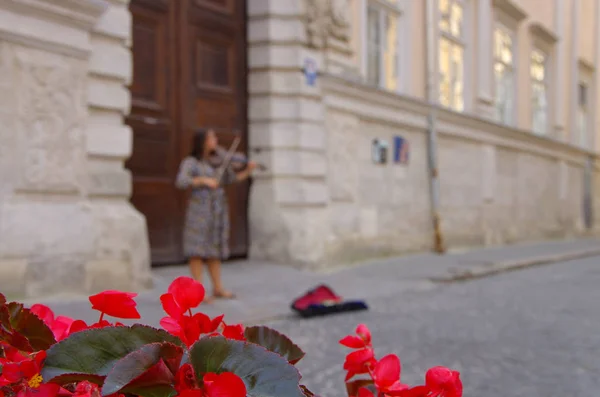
(431, 130)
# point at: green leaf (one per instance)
(146, 372)
(96, 351)
(266, 374)
(275, 342)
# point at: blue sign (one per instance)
(401, 150)
(310, 71)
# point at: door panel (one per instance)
(189, 61)
(215, 71)
(154, 160)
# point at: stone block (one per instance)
(13, 278)
(110, 141)
(110, 58)
(103, 275)
(108, 94)
(115, 22)
(110, 183)
(285, 109)
(274, 56)
(274, 7)
(273, 29)
(287, 134)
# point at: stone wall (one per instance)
(498, 185)
(65, 222)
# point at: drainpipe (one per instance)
(430, 23)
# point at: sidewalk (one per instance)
(265, 291)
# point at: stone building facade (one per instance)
(504, 89)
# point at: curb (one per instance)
(503, 267)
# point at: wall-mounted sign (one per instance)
(379, 149)
(310, 71)
(401, 150)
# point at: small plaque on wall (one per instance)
(401, 150)
(379, 149)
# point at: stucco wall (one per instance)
(498, 185)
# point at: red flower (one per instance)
(61, 326)
(359, 362)
(443, 382)
(185, 378)
(235, 331)
(226, 384)
(24, 378)
(187, 293)
(358, 342)
(190, 328)
(386, 375)
(87, 389)
(116, 304)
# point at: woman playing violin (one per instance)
(206, 230)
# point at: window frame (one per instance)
(545, 84)
(584, 140)
(385, 8)
(453, 41)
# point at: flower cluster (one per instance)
(44, 355)
(384, 374)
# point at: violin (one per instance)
(222, 158)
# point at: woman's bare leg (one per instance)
(197, 269)
(214, 270)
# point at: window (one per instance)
(504, 71)
(452, 54)
(539, 92)
(382, 44)
(582, 115)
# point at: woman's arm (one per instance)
(185, 178)
(243, 175)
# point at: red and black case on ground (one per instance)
(322, 300)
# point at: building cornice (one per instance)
(511, 9)
(543, 33)
(81, 14)
(374, 104)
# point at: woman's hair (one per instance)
(198, 143)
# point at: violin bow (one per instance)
(227, 158)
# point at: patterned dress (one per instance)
(206, 230)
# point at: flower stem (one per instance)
(101, 317)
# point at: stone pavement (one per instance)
(530, 333)
(265, 291)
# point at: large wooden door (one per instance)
(214, 70)
(189, 71)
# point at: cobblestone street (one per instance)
(529, 333)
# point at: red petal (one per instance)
(359, 357)
(45, 390)
(364, 392)
(216, 322)
(171, 325)
(44, 313)
(352, 342)
(170, 306)
(387, 371)
(78, 325)
(116, 304)
(363, 332)
(226, 384)
(188, 293)
(60, 327)
(191, 393)
(442, 379)
(235, 332)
